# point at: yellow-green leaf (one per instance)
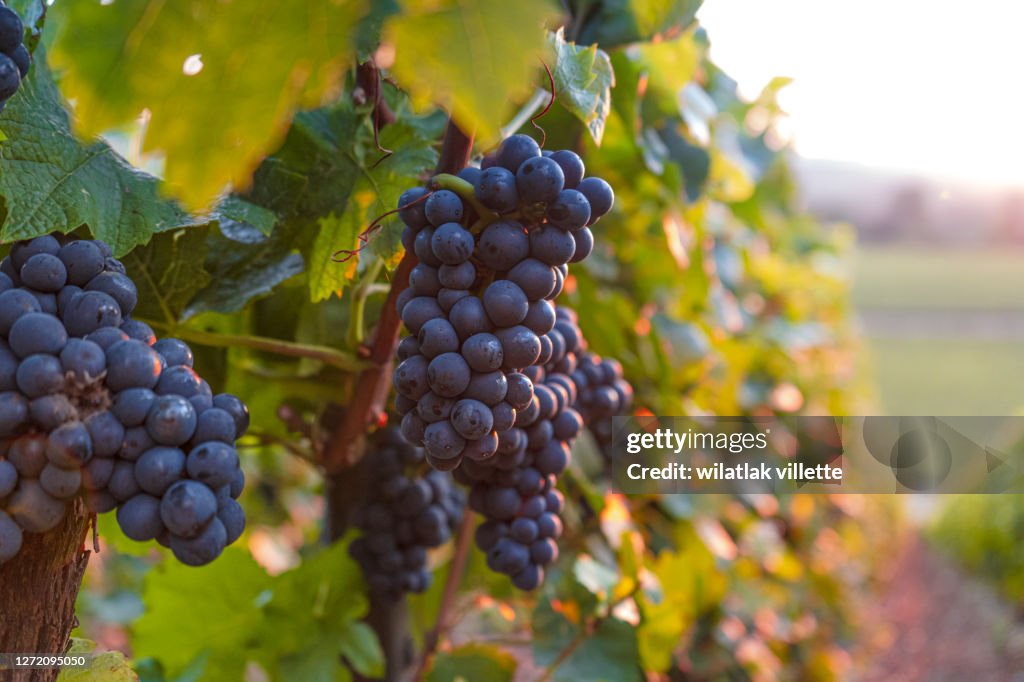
(220, 81)
(473, 57)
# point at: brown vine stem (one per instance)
(367, 406)
(451, 589)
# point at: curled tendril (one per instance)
(542, 112)
(345, 255)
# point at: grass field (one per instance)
(935, 373)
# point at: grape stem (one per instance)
(330, 356)
(451, 588)
(356, 325)
(464, 189)
(525, 114)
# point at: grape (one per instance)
(552, 246)
(539, 180)
(187, 507)
(501, 503)
(536, 279)
(410, 377)
(213, 463)
(136, 441)
(106, 432)
(97, 473)
(28, 455)
(413, 428)
(600, 195)
(11, 30)
(140, 331)
(570, 211)
(515, 150)
(13, 413)
(69, 445)
(423, 250)
(469, 317)
(179, 380)
(459, 276)
(443, 206)
(8, 270)
(176, 352)
(171, 420)
(237, 484)
(22, 251)
(6, 283)
(119, 287)
(571, 165)
(35, 510)
(214, 424)
(448, 374)
(423, 280)
(82, 260)
(489, 387)
(132, 364)
(83, 360)
(496, 189)
(236, 408)
(503, 415)
(132, 405)
(10, 537)
(158, 468)
(472, 419)
(442, 441)
(584, 244)
(419, 311)
(64, 297)
(89, 311)
(61, 484)
(520, 346)
(540, 317)
(452, 243)
(470, 174)
(14, 304)
(447, 298)
(503, 244)
(47, 302)
(482, 352)
(122, 485)
(433, 408)
(408, 347)
(139, 518)
(44, 272)
(520, 390)
(508, 556)
(50, 411)
(203, 548)
(413, 214)
(436, 337)
(105, 337)
(232, 516)
(8, 478)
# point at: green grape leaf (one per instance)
(611, 23)
(168, 271)
(473, 58)
(236, 210)
(471, 662)
(223, 611)
(608, 653)
(220, 81)
(376, 192)
(51, 182)
(583, 80)
(107, 666)
(33, 16)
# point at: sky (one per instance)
(921, 85)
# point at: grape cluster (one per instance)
(14, 57)
(603, 393)
(409, 513)
(517, 495)
(93, 405)
(479, 307)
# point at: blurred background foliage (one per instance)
(239, 152)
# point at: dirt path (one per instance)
(930, 622)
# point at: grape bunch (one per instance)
(493, 249)
(409, 513)
(603, 394)
(14, 57)
(518, 496)
(92, 405)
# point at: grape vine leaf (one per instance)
(375, 193)
(611, 23)
(224, 601)
(583, 80)
(168, 271)
(473, 662)
(106, 666)
(219, 81)
(609, 652)
(473, 58)
(50, 182)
